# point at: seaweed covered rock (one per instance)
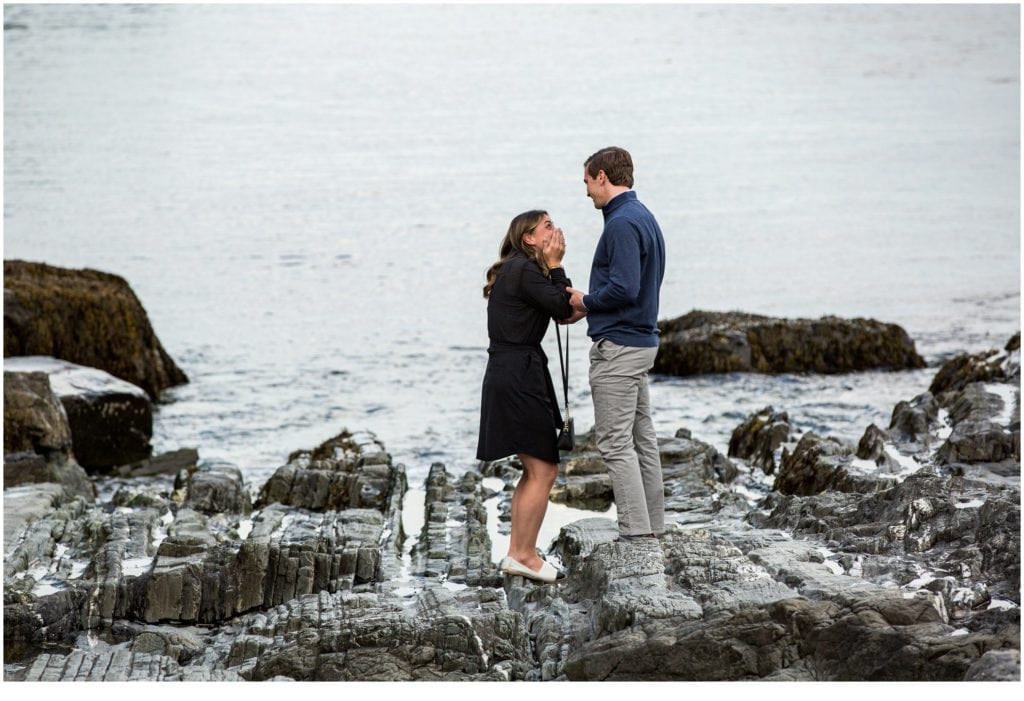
(86, 317)
(718, 342)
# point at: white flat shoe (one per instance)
(548, 573)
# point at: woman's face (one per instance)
(540, 233)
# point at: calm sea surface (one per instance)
(305, 198)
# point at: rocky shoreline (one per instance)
(794, 557)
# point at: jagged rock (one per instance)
(717, 574)
(712, 342)
(370, 637)
(757, 438)
(148, 557)
(583, 481)
(887, 637)
(51, 618)
(584, 491)
(111, 420)
(974, 531)
(42, 600)
(289, 553)
(627, 583)
(901, 577)
(872, 444)
(696, 457)
(86, 317)
(119, 663)
(461, 554)
(216, 488)
(693, 474)
(873, 636)
(912, 420)
(818, 464)
(611, 586)
(349, 471)
(995, 665)
(696, 476)
(978, 435)
(966, 369)
(181, 645)
(754, 624)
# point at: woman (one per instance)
(519, 408)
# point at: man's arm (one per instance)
(623, 287)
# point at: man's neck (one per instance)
(614, 191)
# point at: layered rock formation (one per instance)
(894, 559)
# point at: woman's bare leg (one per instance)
(529, 504)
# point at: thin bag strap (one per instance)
(564, 365)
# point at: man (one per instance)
(622, 315)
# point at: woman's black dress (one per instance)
(518, 406)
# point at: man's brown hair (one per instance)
(616, 163)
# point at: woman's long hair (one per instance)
(513, 243)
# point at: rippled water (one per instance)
(305, 197)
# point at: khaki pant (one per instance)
(625, 434)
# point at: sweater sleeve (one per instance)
(547, 294)
(623, 286)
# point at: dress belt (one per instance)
(499, 347)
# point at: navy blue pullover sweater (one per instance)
(626, 275)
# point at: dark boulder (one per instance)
(37, 438)
(719, 342)
(86, 317)
(111, 420)
(818, 464)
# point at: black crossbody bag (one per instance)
(567, 434)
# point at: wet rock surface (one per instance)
(461, 554)
(715, 342)
(890, 559)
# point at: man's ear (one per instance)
(601, 178)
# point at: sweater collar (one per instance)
(617, 201)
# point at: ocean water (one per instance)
(305, 198)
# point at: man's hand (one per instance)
(576, 316)
(576, 299)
